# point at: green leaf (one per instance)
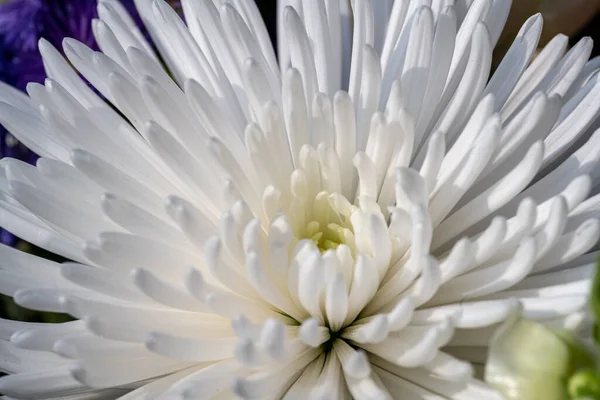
(595, 301)
(581, 355)
(584, 384)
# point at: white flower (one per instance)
(237, 230)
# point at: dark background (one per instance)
(592, 29)
(268, 9)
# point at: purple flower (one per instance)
(24, 22)
(19, 24)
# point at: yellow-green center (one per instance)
(329, 223)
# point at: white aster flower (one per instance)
(351, 222)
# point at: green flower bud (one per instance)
(529, 361)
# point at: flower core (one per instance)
(329, 222)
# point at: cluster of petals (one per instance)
(350, 219)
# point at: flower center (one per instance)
(333, 336)
(328, 237)
(329, 222)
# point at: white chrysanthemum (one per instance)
(356, 225)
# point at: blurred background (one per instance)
(24, 22)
